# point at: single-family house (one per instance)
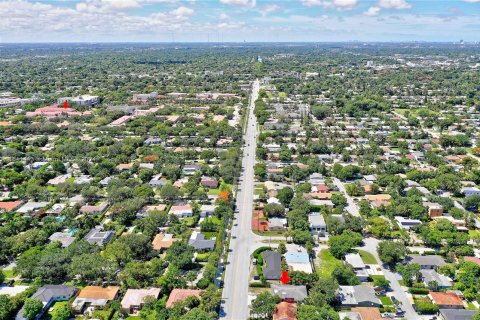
(207, 210)
(470, 191)
(99, 237)
(182, 211)
(434, 209)
(134, 299)
(427, 262)
(290, 293)
(191, 169)
(406, 223)
(179, 295)
(94, 209)
(318, 226)
(277, 224)
(359, 267)
(209, 182)
(8, 206)
(285, 311)
(163, 241)
(272, 265)
(198, 241)
(50, 294)
(446, 300)
(157, 181)
(434, 280)
(298, 261)
(456, 314)
(66, 239)
(94, 296)
(358, 296)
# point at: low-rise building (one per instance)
(179, 295)
(94, 296)
(134, 299)
(272, 265)
(358, 296)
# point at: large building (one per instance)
(83, 100)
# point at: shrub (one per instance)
(259, 285)
(426, 307)
(203, 283)
(257, 252)
(418, 290)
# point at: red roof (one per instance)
(178, 295)
(9, 205)
(446, 299)
(285, 311)
(472, 259)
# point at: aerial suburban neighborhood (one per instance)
(329, 182)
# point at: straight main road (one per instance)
(234, 304)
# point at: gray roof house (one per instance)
(157, 181)
(427, 262)
(98, 236)
(66, 239)
(358, 296)
(290, 292)
(198, 241)
(456, 314)
(49, 294)
(272, 262)
(429, 275)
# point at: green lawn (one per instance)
(386, 300)
(55, 306)
(209, 235)
(214, 192)
(269, 233)
(327, 263)
(367, 257)
(471, 306)
(8, 274)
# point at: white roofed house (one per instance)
(207, 210)
(134, 299)
(318, 226)
(182, 211)
(359, 267)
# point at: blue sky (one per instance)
(238, 20)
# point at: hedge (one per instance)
(418, 290)
(259, 285)
(260, 250)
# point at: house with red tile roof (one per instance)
(179, 295)
(8, 206)
(446, 300)
(285, 311)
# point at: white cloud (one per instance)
(240, 3)
(107, 5)
(331, 4)
(373, 11)
(394, 4)
(271, 8)
(223, 16)
(182, 11)
(472, 1)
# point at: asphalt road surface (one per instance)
(235, 292)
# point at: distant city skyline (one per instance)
(239, 20)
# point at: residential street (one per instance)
(351, 205)
(397, 290)
(235, 292)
